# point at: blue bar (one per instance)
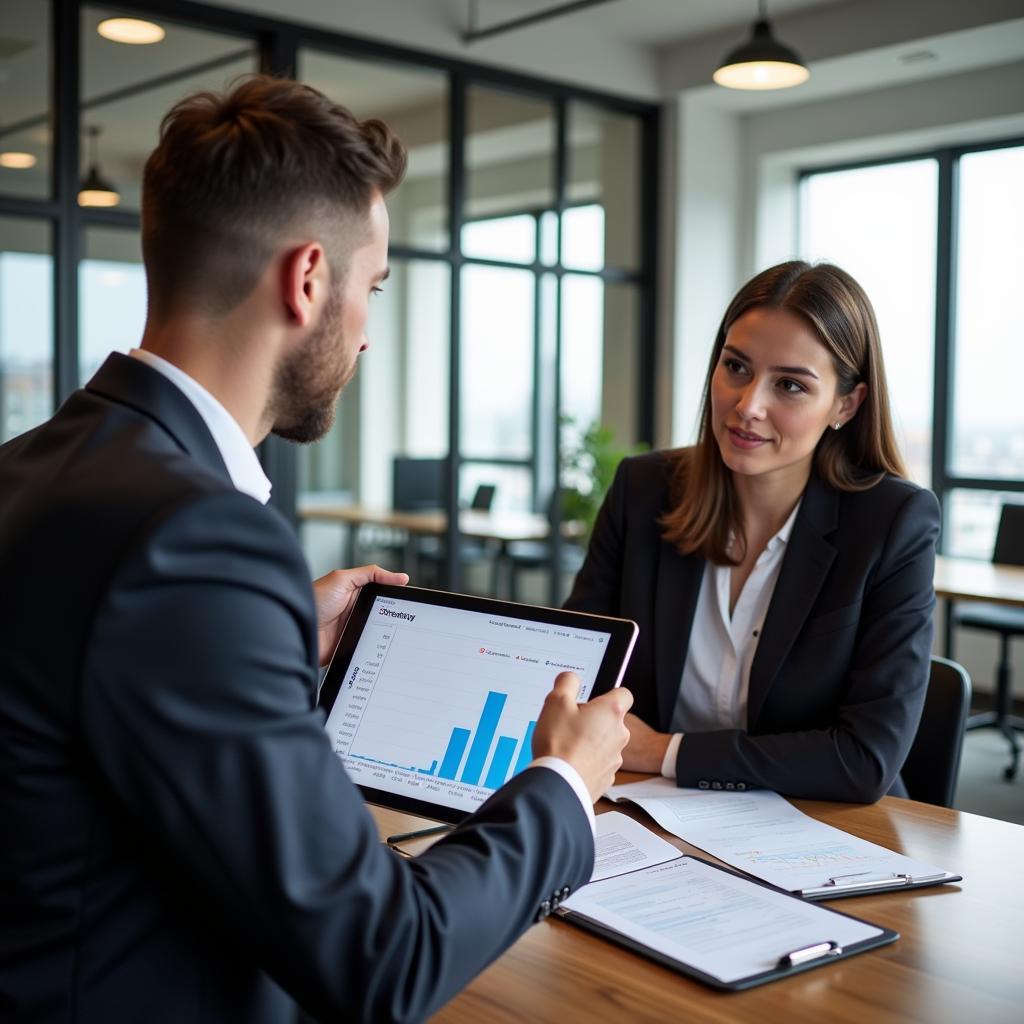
(453, 755)
(499, 763)
(485, 730)
(428, 771)
(526, 750)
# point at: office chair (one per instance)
(524, 555)
(1008, 622)
(472, 550)
(931, 769)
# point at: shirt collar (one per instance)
(782, 537)
(241, 460)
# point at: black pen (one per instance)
(417, 833)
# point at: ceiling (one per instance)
(646, 48)
(647, 23)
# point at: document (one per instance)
(623, 844)
(714, 922)
(761, 833)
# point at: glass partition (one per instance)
(25, 105)
(414, 104)
(604, 160)
(26, 324)
(112, 296)
(127, 88)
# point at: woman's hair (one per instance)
(706, 513)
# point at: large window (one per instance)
(935, 241)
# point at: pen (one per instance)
(802, 956)
(401, 837)
(865, 880)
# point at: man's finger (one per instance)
(567, 685)
(393, 579)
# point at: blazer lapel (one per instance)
(131, 382)
(806, 563)
(675, 602)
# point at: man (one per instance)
(181, 843)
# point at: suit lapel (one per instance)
(675, 602)
(132, 383)
(807, 560)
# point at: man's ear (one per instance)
(304, 282)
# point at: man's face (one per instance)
(310, 380)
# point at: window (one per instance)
(878, 224)
(939, 233)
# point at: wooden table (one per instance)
(958, 959)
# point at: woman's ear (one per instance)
(849, 404)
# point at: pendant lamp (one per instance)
(762, 62)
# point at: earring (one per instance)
(836, 425)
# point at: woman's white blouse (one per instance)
(716, 676)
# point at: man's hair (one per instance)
(235, 173)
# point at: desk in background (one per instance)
(968, 579)
(502, 527)
(958, 959)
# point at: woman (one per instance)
(781, 569)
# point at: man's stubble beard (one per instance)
(308, 382)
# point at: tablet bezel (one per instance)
(622, 637)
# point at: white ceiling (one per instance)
(648, 23)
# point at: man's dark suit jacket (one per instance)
(180, 843)
(839, 676)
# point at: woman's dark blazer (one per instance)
(839, 677)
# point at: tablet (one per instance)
(432, 698)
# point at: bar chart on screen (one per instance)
(449, 713)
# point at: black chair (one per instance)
(472, 550)
(1008, 622)
(524, 555)
(931, 769)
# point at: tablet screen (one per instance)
(438, 704)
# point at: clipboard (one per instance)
(790, 962)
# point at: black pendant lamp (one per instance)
(95, 190)
(762, 62)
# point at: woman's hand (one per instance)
(336, 593)
(646, 748)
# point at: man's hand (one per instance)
(645, 751)
(336, 593)
(589, 736)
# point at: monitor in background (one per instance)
(417, 484)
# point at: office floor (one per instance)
(982, 789)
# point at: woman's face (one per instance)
(773, 395)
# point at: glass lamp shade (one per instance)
(761, 63)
